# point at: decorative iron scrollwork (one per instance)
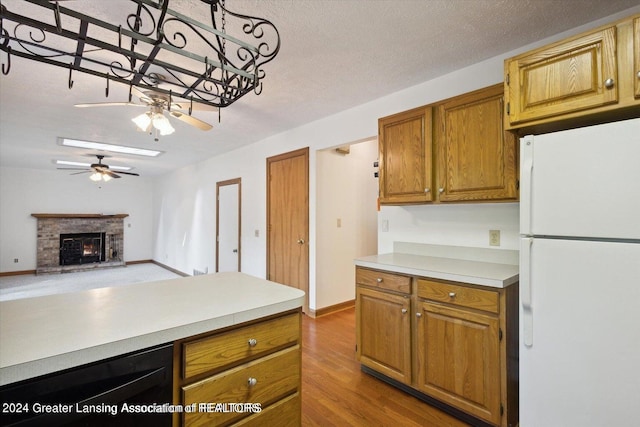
(156, 47)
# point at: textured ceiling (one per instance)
(335, 54)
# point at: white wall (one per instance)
(347, 191)
(185, 212)
(27, 191)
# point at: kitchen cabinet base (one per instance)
(462, 416)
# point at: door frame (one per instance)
(222, 184)
(291, 154)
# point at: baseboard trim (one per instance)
(140, 261)
(173, 270)
(332, 308)
(17, 273)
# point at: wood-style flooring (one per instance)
(336, 393)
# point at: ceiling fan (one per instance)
(157, 103)
(100, 171)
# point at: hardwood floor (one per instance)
(336, 393)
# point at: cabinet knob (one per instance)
(452, 294)
(252, 381)
(638, 74)
(379, 280)
(426, 190)
(404, 311)
(441, 190)
(609, 83)
(418, 314)
(253, 342)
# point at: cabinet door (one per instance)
(405, 157)
(476, 157)
(573, 75)
(459, 359)
(384, 333)
(636, 57)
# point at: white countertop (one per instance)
(458, 270)
(49, 333)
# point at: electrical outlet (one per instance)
(494, 237)
(15, 260)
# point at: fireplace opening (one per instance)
(82, 248)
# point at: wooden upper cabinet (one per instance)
(477, 159)
(572, 75)
(636, 57)
(586, 79)
(405, 157)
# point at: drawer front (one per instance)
(459, 295)
(383, 280)
(276, 376)
(283, 413)
(238, 345)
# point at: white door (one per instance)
(228, 226)
(583, 182)
(581, 365)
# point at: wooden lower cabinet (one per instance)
(384, 339)
(453, 342)
(247, 375)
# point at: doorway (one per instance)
(288, 220)
(228, 212)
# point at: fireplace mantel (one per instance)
(81, 215)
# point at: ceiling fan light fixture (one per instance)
(143, 121)
(161, 123)
(96, 176)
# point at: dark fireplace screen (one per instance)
(82, 248)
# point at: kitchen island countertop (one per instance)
(458, 270)
(50, 333)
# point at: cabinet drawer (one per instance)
(283, 413)
(382, 280)
(236, 346)
(276, 376)
(463, 296)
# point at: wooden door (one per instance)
(476, 157)
(288, 220)
(636, 57)
(459, 359)
(405, 157)
(573, 75)
(384, 332)
(228, 208)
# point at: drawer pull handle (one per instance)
(404, 311)
(253, 342)
(379, 280)
(418, 314)
(452, 294)
(252, 381)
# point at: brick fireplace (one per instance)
(76, 242)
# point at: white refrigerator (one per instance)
(580, 277)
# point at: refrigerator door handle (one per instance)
(525, 291)
(526, 173)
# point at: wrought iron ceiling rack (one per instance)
(156, 48)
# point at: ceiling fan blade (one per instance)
(111, 174)
(128, 173)
(191, 120)
(109, 104)
(74, 169)
(78, 173)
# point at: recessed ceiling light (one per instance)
(108, 147)
(86, 165)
